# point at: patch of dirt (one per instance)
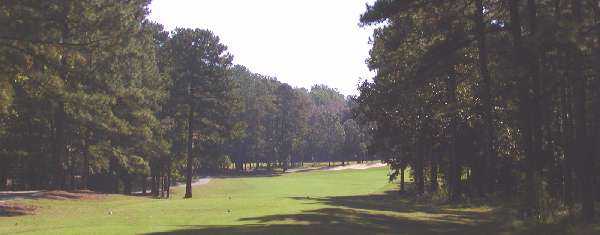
(16, 209)
(69, 195)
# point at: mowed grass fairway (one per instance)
(315, 202)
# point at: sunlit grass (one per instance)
(312, 202)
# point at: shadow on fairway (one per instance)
(333, 221)
(365, 214)
(15, 209)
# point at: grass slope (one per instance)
(315, 202)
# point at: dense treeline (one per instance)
(287, 126)
(92, 95)
(489, 98)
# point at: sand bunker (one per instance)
(361, 166)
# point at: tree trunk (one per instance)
(86, 167)
(239, 165)
(59, 112)
(156, 182)
(584, 156)
(523, 84)
(72, 180)
(489, 159)
(127, 183)
(155, 172)
(3, 180)
(585, 161)
(189, 170)
(454, 171)
(169, 184)
(534, 113)
(153, 188)
(596, 95)
(163, 185)
(144, 185)
(113, 176)
(402, 179)
(419, 176)
(567, 128)
(434, 171)
(60, 148)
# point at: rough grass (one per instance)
(313, 202)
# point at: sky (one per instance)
(301, 42)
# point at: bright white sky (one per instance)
(301, 42)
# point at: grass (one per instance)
(313, 202)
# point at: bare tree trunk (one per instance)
(163, 186)
(584, 156)
(419, 172)
(127, 183)
(60, 148)
(3, 179)
(489, 159)
(169, 184)
(402, 179)
(567, 126)
(534, 114)
(454, 171)
(433, 173)
(189, 170)
(523, 85)
(153, 188)
(144, 185)
(596, 94)
(71, 161)
(114, 176)
(86, 167)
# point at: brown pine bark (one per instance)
(169, 184)
(582, 150)
(419, 169)
(567, 136)
(433, 171)
(489, 158)
(402, 179)
(454, 171)
(189, 169)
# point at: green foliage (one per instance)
(496, 98)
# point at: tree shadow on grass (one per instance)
(387, 213)
(10, 209)
(389, 201)
(338, 221)
(334, 221)
(364, 214)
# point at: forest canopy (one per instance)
(489, 98)
(93, 95)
